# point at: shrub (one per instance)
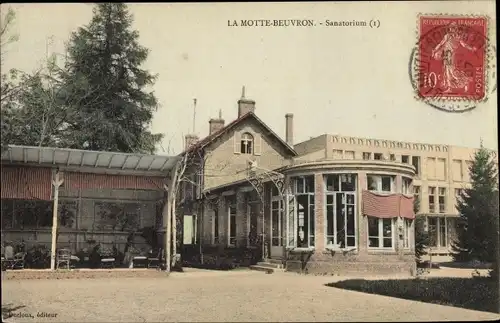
(37, 257)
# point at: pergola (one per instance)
(84, 168)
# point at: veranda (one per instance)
(108, 205)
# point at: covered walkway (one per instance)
(104, 198)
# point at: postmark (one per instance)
(451, 66)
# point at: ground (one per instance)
(215, 296)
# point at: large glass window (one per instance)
(442, 199)
(231, 213)
(432, 200)
(36, 214)
(407, 223)
(340, 201)
(438, 232)
(276, 216)
(380, 233)
(380, 183)
(406, 186)
(301, 212)
(432, 223)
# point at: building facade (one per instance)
(329, 204)
(441, 172)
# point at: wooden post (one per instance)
(174, 230)
(56, 182)
(166, 215)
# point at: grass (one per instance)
(479, 294)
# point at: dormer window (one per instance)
(246, 143)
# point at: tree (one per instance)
(8, 87)
(6, 22)
(478, 208)
(105, 58)
(421, 236)
(186, 190)
(33, 113)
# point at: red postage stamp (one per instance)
(452, 58)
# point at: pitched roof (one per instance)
(210, 138)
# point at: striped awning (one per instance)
(387, 206)
(26, 183)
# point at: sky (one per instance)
(351, 81)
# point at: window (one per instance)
(231, 215)
(340, 210)
(431, 168)
(338, 154)
(30, 214)
(380, 233)
(377, 156)
(406, 189)
(432, 206)
(349, 154)
(457, 171)
(116, 216)
(442, 232)
(437, 232)
(303, 208)
(246, 143)
(340, 182)
(415, 161)
(276, 215)
(367, 156)
(215, 223)
(432, 231)
(7, 213)
(392, 157)
(380, 183)
(407, 223)
(441, 169)
(442, 200)
(304, 184)
(405, 159)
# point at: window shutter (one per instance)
(237, 143)
(257, 150)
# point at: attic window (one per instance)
(246, 143)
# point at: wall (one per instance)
(362, 260)
(225, 164)
(312, 145)
(429, 174)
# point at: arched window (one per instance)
(246, 143)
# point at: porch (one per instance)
(107, 207)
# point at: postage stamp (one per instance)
(451, 66)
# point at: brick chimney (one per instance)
(244, 105)
(289, 128)
(216, 124)
(190, 140)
